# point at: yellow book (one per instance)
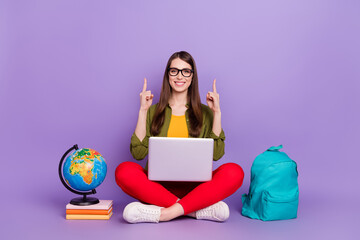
(88, 217)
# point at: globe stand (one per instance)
(82, 201)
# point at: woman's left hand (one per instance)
(212, 99)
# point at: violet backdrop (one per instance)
(287, 73)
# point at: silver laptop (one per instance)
(180, 159)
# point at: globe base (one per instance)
(84, 201)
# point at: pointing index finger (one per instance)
(145, 85)
(214, 86)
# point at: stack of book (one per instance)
(101, 210)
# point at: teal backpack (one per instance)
(274, 191)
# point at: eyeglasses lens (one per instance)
(184, 72)
(173, 72)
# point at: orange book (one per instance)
(89, 211)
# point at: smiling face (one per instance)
(179, 83)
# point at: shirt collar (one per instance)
(187, 105)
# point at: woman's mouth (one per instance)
(179, 84)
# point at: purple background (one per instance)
(287, 73)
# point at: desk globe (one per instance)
(82, 171)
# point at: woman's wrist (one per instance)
(217, 123)
(217, 112)
(140, 130)
(142, 111)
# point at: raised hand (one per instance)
(213, 100)
(145, 97)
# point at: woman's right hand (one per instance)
(145, 97)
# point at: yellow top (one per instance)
(178, 127)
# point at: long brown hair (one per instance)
(194, 109)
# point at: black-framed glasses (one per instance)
(185, 72)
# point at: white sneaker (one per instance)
(136, 212)
(217, 212)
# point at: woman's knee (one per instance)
(125, 170)
(233, 172)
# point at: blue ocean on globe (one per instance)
(85, 169)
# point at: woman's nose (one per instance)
(179, 76)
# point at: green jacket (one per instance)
(139, 149)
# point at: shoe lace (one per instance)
(149, 214)
(209, 212)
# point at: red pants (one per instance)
(133, 180)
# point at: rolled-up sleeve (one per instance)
(139, 149)
(219, 141)
(219, 144)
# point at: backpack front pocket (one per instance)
(279, 207)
